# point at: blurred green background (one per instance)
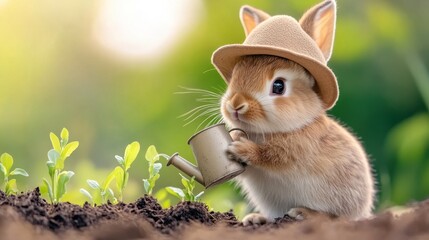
(109, 70)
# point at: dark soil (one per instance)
(28, 216)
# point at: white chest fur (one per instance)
(273, 194)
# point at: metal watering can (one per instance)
(209, 148)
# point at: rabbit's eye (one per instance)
(278, 86)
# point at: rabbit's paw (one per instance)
(243, 151)
(302, 213)
(254, 219)
(298, 214)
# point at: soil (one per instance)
(28, 216)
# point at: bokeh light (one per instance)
(138, 30)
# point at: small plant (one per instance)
(6, 163)
(152, 157)
(56, 187)
(187, 193)
(119, 173)
(103, 192)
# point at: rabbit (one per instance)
(300, 161)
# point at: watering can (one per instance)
(209, 148)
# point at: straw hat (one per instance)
(284, 37)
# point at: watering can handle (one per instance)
(241, 130)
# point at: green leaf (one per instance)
(48, 188)
(120, 160)
(51, 169)
(131, 152)
(93, 184)
(177, 192)
(3, 169)
(185, 183)
(11, 187)
(65, 153)
(55, 142)
(64, 136)
(19, 171)
(108, 180)
(151, 154)
(7, 161)
(152, 182)
(63, 179)
(69, 149)
(156, 168)
(119, 176)
(53, 156)
(87, 194)
(146, 185)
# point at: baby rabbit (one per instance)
(299, 161)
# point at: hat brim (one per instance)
(226, 57)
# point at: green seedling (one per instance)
(121, 172)
(62, 149)
(6, 163)
(187, 193)
(102, 193)
(152, 157)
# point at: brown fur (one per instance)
(318, 148)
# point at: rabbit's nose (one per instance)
(238, 104)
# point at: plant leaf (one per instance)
(53, 156)
(93, 184)
(177, 192)
(146, 185)
(156, 168)
(69, 149)
(65, 153)
(11, 187)
(3, 169)
(151, 154)
(119, 176)
(131, 152)
(48, 189)
(63, 179)
(87, 194)
(19, 171)
(64, 136)
(108, 180)
(120, 160)
(55, 142)
(7, 161)
(185, 183)
(153, 180)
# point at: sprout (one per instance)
(187, 192)
(56, 187)
(6, 163)
(152, 157)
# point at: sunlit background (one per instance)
(108, 70)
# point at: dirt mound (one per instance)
(28, 216)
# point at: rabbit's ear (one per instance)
(319, 23)
(250, 17)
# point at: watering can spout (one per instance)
(186, 167)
